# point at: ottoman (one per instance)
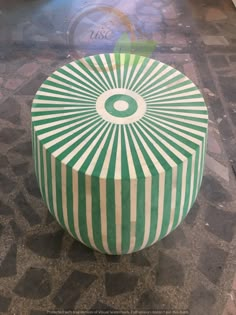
(119, 143)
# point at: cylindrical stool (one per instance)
(119, 143)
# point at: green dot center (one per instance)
(121, 105)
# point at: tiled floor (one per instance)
(41, 268)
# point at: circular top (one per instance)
(119, 116)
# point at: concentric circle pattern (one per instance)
(119, 144)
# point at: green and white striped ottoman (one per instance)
(119, 142)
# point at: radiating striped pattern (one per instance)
(119, 142)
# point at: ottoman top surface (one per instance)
(119, 116)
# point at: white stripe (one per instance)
(102, 56)
(183, 190)
(65, 135)
(64, 196)
(179, 89)
(143, 75)
(45, 117)
(189, 100)
(70, 143)
(155, 70)
(53, 89)
(118, 196)
(94, 61)
(173, 198)
(148, 196)
(185, 107)
(49, 109)
(45, 176)
(177, 95)
(75, 189)
(137, 67)
(89, 220)
(173, 113)
(54, 191)
(103, 193)
(113, 62)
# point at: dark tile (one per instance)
(150, 301)
(23, 148)
(49, 218)
(16, 230)
(10, 111)
(4, 209)
(35, 284)
(191, 217)
(139, 259)
(212, 261)
(213, 190)
(225, 129)
(232, 58)
(20, 169)
(119, 283)
(234, 167)
(79, 252)
(34, 312)
(1, 229)
(174, 239)
(169, 272)
(113, 258)
(221, 223)
(32, 186)
(103, 309)
(72, 289)
(32, 87)
(9, 135)
(8, 265)
(46, 245)
(6, 184)
(228, 87)
(27, 211)
(201, 301)
(4, 303)
(218, 61)
(3, 161)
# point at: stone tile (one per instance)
(32, 87)
(191, 216)
(212, 144)
(210, 40)
(16, 229)
(232, 58)
(143, 9)
(175, 239)
(3, 161)
(190, 72)
(227, 84)
(8, 265)
(79, 252)
(13, 84)
(46, 245)
(35, 284)
(201, 301)
(3, 67)
(1, 96)
(101, 308)
(213, 190)
(221, 170)
(10, 111)
(1, 81)
(49, 218)
(214, 14)
(72, 289)
(169, 272)
(4, 209)
(28, 69)
(20, 169)
(1, 229)
(4, 303)
(212, 261)
(169, 12)
(221, 223)
(35, 312)
(218, 61)
(139, 259)
(124, 282)
(175, 39)
(24, 148)
(6, 184)
(9, 135)
(113, 258)
(230, 307)
(150, 301)
(32, 186)
(27, 211)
